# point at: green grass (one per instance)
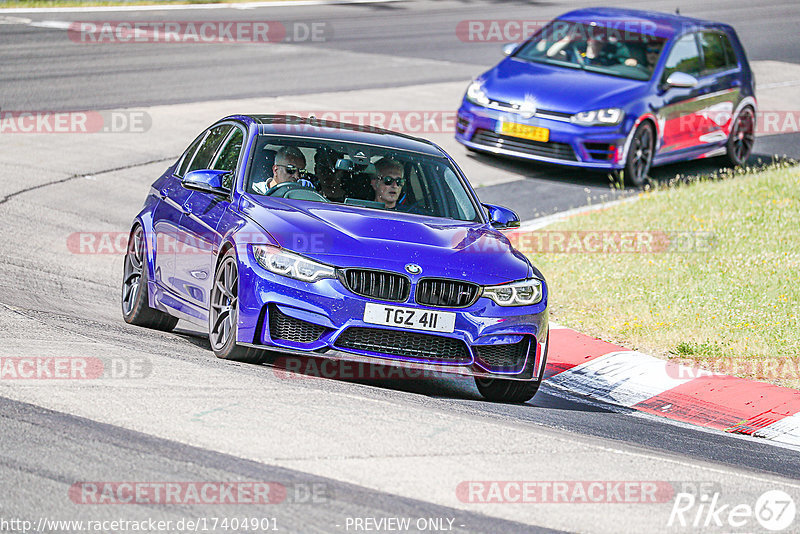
(731, 306)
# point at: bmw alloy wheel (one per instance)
(224, 305)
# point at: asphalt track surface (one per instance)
(379, 45)
(376, 447)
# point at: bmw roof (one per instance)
(310, 127)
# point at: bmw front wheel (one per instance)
(511, 391)
(223, 314)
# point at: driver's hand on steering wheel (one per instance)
(261, 187)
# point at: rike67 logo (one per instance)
(774, 511)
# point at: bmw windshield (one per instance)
(595, 48)
(360, 175)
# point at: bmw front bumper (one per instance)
(326, 319)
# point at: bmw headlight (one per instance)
(523, 293)
(598, 117)
(476, 94)
(289, 264)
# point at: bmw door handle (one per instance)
(164, 192)
(187, 209)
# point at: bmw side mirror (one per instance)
(681, 79)
(510, 48)
(502, 218)
(207, 181)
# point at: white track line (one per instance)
(787, 83)
(177, 7)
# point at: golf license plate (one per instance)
(525, 131)
(413, 319)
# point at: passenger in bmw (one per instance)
(389, 181)
(329, 180)
(289, 166)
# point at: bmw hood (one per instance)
(347, 236)
(558, 88)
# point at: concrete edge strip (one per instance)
(182, 7)
(614, 375)
(621, 377)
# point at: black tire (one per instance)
(136, 309)
(223, 314)
(510, 391)
(640, 155)
(742, 138)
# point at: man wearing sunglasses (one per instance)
(389, 182)
(289, 166)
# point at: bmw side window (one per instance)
(228, 156)
(202, 159)
(443, 198)
(713, 52)
(684, 57)
(466, 210)
(188, 155)
(415, 185)
(430, 200)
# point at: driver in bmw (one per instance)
(289, 166)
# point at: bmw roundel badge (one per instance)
(413, 268)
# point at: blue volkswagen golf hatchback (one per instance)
(616, 90)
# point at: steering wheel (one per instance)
(281, 189)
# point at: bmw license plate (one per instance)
(433, 321)
(525, 131)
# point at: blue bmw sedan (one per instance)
(337, 241)
(616, 90)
